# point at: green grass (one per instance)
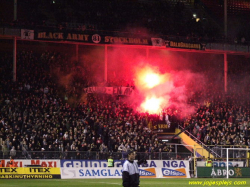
(118, 182)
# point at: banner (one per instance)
(185, 45)
(12, 32)
(221, 172)
(27, 34)
(221, 163)
(91, 38)
(99, 169)
(78, 173)
(165, 127)
(110, 90)
(28, 162)
(30, 173)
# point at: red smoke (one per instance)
(161, 80)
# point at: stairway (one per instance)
(196, 146)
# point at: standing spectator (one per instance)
(65, 154)
(11, 162)
(50, 152)
(13, 152)
(18, 152)
(5, 150)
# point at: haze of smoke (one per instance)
(125, 60)
(175, 92)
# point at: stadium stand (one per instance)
(43, 119)
(37, 115)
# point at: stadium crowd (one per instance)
(224, 119)
(41, 118)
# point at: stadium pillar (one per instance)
(14, 59)
(195, 160)
(225, 72)
(15, 10)
(77, 52)
(225, 18)
(106, 63)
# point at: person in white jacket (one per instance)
(130, 171)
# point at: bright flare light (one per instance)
(152, 80)
(152, 105)
(154, 88)
(148, 78)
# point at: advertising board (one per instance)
(30, 173)
(99, 169)
(28, 162)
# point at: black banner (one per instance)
(185, 45)
(164, 127)
(91, 38)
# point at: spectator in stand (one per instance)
(35, 115)
(13, 152)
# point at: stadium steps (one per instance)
(191, 145)
(195, 145)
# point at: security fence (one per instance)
(93, 155)
(218, 152)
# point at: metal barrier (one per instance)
(93, 155)
(221, 151)
(208, 148)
